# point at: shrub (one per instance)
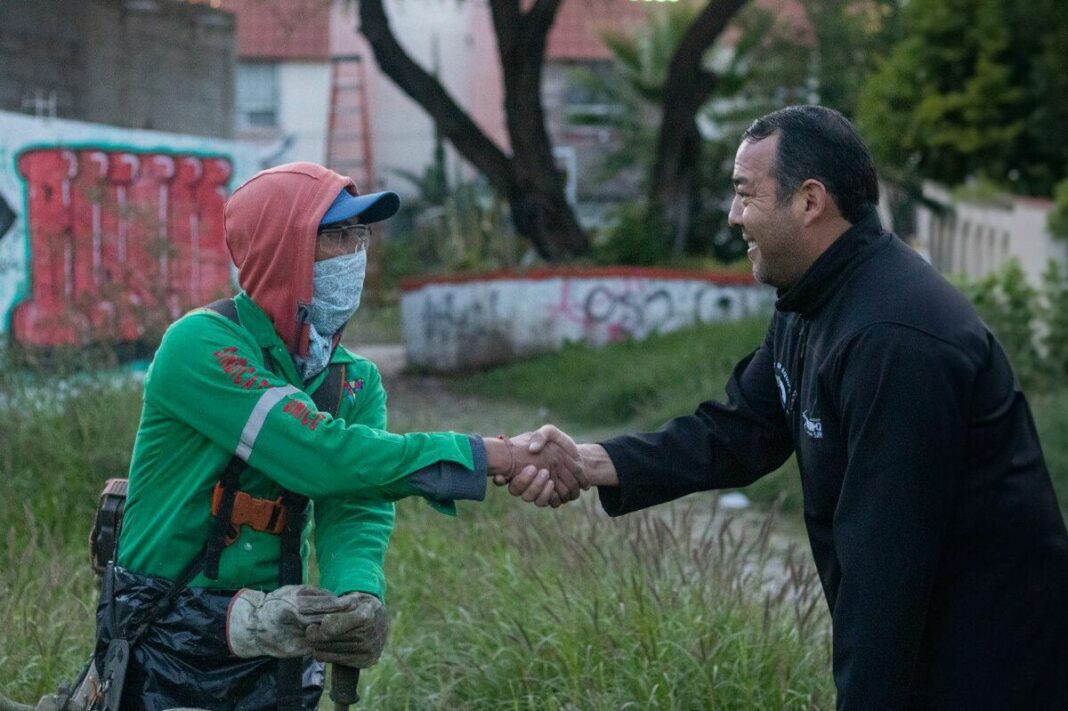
(1030, 322)
(1055, 313)
(636, 239)
(1058, 217)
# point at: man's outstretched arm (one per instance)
(721, 445)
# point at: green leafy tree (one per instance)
(975, 89)
(850, 39)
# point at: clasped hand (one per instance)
(544, 468)
(296, 620)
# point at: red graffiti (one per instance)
(120, 243)
(303, 413)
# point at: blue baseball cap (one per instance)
(374, 207)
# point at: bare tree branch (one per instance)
(688, 83)
(541, 15)
(506, 23)
(687, 87)
(454, 123)
(529, 178)
(541, 208)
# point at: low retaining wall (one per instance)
(456, 323)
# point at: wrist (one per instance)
(598, 465)
(499, 456)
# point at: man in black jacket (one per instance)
(931, 515)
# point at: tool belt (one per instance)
(266, 515)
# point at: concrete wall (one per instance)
(467, 323)
(974, 238)
(101, 225)
(149, 64)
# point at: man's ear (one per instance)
(814, 201)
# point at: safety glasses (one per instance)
(345, 239)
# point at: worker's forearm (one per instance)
(598, 465)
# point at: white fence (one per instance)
(974, 238)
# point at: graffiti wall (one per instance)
(465, 323)
(108, 234)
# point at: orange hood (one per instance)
(271, 223)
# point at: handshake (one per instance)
(544, 467)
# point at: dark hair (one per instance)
(820, 143)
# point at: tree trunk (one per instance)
(539, 206)
(678, 147)
(528, 178)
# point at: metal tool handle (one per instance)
(343, 686)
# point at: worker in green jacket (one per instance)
(256, 421)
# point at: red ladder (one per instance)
(349, 150)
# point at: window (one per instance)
(257, 95)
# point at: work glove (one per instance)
(354, 637)
(274, 624)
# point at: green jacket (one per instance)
(209, 395)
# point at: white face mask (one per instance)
(338, 285)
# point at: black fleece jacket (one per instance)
(932, 519)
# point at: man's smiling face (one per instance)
(771, 230)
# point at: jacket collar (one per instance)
(256, 321)
(834, 267)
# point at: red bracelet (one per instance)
(511, 455)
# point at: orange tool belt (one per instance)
(266, 515)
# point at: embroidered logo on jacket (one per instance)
(813, 426)
(351, 387)
(786, 390)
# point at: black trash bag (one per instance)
(183, 659)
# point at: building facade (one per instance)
(146, 64)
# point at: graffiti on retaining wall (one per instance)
(120, 242)
(622, 312)
(469, 323)
(473, 325)
(480, 323)
(618, 310)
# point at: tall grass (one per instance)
(62, 438)
(678, 609)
